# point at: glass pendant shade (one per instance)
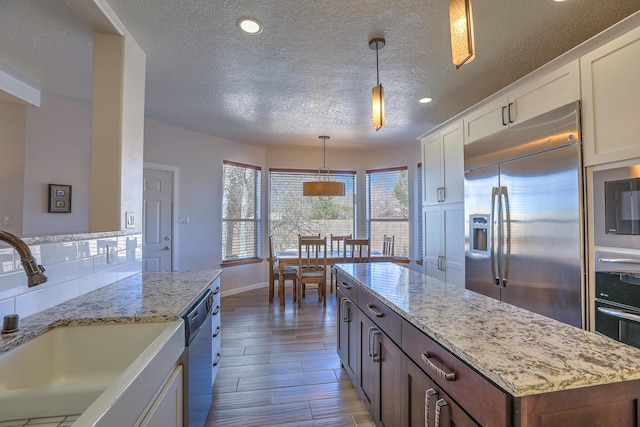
(462, 44)
(377, 106)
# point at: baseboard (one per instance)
(243, 289)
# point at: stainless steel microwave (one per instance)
(616, 198)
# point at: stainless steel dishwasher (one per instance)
(197, 361)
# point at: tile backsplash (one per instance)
(75, 265)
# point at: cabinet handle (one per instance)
(504, 122)
(374, 312)
(510, 109)
(216, 333)
(449, 376)
(216, 291)
(346, 285)
(443, 196)
(218, 357)
(442, 413)
(375, 344)
(216, 311)
(346, 311)
(429, 400)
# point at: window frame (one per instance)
(256, 220)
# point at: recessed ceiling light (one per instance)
(425, 100)
(250, 25)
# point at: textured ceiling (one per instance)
(310, 72)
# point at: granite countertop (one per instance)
(522, 352)
(144, 297)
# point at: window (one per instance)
(420, 242)
(291, 213)
(240, 212)
(388, 208)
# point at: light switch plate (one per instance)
(130, 220)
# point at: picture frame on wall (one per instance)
(59, 198)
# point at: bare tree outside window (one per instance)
(291, 213)
(240, 212)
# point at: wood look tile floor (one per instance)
(279, 366)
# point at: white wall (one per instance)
(58, 150)
(199, 158)
(13, 127)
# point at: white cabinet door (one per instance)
(453, 225)
(433, 231)
(453, 162)
(610, 95)
(166, 411)
(553, 90)
(485, 121)
(444, 242)
(443, 165)
(526, 100)
(432, 169)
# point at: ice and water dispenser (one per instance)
(479, 233)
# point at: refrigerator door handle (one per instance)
(492, 245)
(506, 233)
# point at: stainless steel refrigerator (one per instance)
(524, 215)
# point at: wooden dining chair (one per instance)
(290, 273)
(357, 250)
(336, 241)
(312, 266)
(388, 245)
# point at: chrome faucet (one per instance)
(34, 271)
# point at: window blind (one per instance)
(388, 208)
(291, 213)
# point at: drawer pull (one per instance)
(216, 291)
(216, 333)
(442, 413)
(217, 360)
(449, 376)
(346, 285)
(216, 311)
(429, 406)
(374, 312)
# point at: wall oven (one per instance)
(616, 204)
(617, 303)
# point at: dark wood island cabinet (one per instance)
(425, 349)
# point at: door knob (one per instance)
(167, 238)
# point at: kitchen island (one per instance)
(511, 366)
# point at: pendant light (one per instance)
(462, 43)
(377, 94)
(323, 187)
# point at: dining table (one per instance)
(291, 257)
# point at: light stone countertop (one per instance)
(144, 297)
(522, 352)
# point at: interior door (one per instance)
(157, 247)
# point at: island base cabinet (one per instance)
(166, 410)
(379, 375)
(347, 334)
(422, 398)
(604, 405)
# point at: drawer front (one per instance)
(481, 399)
(348, 286)
(386, 319)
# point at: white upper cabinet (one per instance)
(443, 165)
(524, 101)
(610, 96)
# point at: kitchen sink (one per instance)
(84, 369)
